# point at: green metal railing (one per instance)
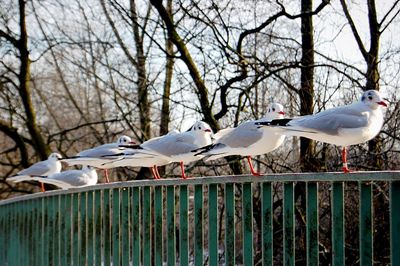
(225, 220)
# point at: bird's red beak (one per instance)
(382, 103)
(207, 130)
(281, 112)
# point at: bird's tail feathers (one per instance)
(50, 181)
(19, 178)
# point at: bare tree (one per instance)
(371, 56)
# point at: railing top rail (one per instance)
(281, 177)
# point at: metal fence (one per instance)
(227, 220)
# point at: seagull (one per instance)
(342, 126)
(173, 147)
(247, 139)
(43, 168)
(87, 176)
(95, 156)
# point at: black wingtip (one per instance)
(275, 122)
(131, 146)
(72, 157)
(203, 149)
(112, 155)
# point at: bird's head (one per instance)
(373, 99)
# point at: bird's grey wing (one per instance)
(330, 123)
(19, 178)
(100, 151)
(38, 168)
(243, 136)
(74, 178)
(221, 133)
(51, 181)
(170, 145)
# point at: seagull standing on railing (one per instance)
(43, 168)
(247, 139)
(173, 147)
(95, 156)
(87, 176)
(342, 126)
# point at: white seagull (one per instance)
(173, 147)
(342, 126)
(43, 168)
(247, 139)
(95, 156)
(87, 176)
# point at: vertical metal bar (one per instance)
(97, 214)
(288, 224)
(337, 224)
(198, 225)
(10, 224)
(90, 228)
(135, 221)
(158, 220)
(146, 225)
(66, 216)
(366, 249)
(57, 228)
(213, 224)
(106, 227)
(3, 234)
(75, 229)
(43, 240)
(46, 231)
(53, 228)
(229, 224)
(267, 224)
(312, 223)
(124, 226)
(82, 229)
(115, 225)
(183, 224)
(28, 233)
(34, 240)
(171, 225)
(18, 237)
(395, 223)
(247, 223)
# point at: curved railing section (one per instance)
(225, 220)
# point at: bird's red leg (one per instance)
(106, 174)
(153, 171)
(253, 172)
(344, 160)
(156, 171)
(184, 176)
(42, 187)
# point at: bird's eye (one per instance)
(273, 109)
(370, 97)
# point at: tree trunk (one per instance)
(372, 74)
(306, 93)
(25, 89)
(372, 83)
(143, 101)
(165, 111)
(186, 57)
